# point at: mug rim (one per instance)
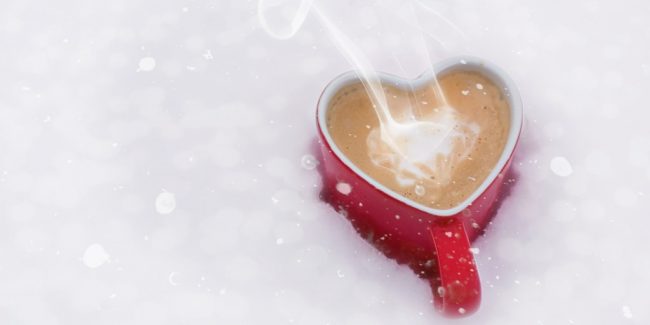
(494, 73)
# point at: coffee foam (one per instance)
(419, 151)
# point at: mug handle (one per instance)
(457, 289)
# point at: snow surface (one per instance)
(156, 165)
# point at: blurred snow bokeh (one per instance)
(156, 167)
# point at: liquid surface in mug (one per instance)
(439, 163)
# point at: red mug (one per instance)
(434, 243)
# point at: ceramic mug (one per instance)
(435, 243)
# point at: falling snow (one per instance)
(95, 256)
(165, 203)
(561, 166)
(627, 312)
(146, 64)
(308, 162)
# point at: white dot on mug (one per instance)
(344, 188)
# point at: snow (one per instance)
(95, 256)
(165, 203)
(146, 64)
(137, 191)
(308, 162)
(561, 166)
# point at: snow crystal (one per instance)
(627, 312)
(146, 64)
(95, 256)
(561, 166)
(308, 162)
(208, 55)
(165, 203)
(171, 278)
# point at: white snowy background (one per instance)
(155, 168)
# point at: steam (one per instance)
(282, 18)
(417, 150)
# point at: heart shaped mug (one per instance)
(434, 243)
